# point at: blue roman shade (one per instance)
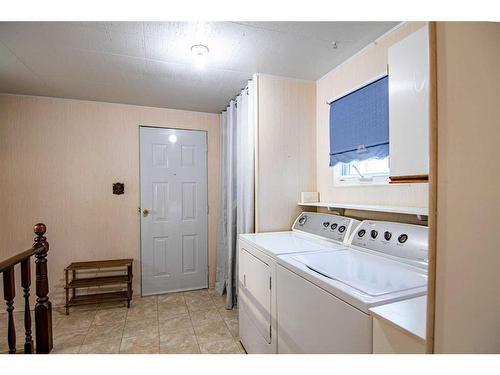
(359, 124)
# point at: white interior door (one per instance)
(173, 210)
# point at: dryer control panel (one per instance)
(406, 241)
(333, 227)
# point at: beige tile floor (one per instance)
(176, 323)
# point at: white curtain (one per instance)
(236, 213)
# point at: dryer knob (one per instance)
(402, 238)
(387, 235)
(341, 229)
(374, 233)
(326, 224)
(333, 226)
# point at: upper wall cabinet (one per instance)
(409, 108)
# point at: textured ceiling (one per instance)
(150, 63)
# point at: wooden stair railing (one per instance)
(43, 307)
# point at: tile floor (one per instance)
(176, 323)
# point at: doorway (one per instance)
(174, 210)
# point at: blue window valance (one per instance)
(359, 124)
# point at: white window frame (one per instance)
(377, 178)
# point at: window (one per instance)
(359, 134)
(364, 172)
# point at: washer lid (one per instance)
(277, 243)
(370, 274)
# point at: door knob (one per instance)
(145, 212)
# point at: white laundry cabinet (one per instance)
(409, 108)
(389, 340)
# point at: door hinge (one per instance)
(270, 282)
(270, 331)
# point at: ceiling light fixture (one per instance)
(200, 53)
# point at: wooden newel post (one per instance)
(43, 307)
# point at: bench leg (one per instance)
(67, 293)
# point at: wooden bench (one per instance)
(120, 281)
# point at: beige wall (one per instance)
(371, 62)
(468, 249)
(59, 159)
(286, 160)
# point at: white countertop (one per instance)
(409, 315)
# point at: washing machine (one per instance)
(311, 232)
(323, 297)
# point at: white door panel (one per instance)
(174, 190)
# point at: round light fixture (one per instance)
(172, 138)
(199, 52)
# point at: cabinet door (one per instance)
(409, 107)
(390, 340)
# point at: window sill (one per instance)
(355, 182)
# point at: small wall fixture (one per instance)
(200, 53)
(118, 188)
